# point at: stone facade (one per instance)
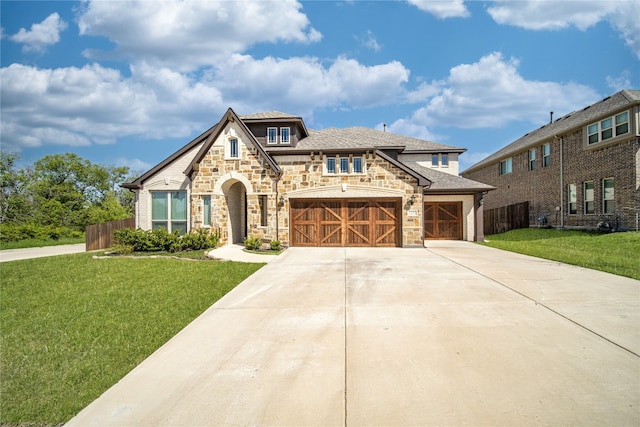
(247, 178)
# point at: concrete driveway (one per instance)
(454, 334)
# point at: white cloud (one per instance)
(442, 8)
(94, 104)
(623, 81)
(304, 84)
(369, 41)
(41, 35)
(554, 15)
(491, 93)
(187, 35)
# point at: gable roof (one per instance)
(138, 183)
(565, 124)
(230, 117)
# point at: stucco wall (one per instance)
(170, 178)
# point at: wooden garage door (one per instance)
(443, 220)
(346, 222)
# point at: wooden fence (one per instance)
(506, 218)
(100, 236)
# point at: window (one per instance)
(589, 207)
(608, 128)
(444, 160)
(546, 155)
(331, 165)
(284, 136)
(344, 165)
(608, 206)
(572, 198)
(505, 166)
(532, 159)
(357, 165)
(206, 210)
(262, 201)
(622, 123)
(233, 148)
(272, 135)
(434, 160)
(169, 211)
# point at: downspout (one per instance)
(561, 185)
(277, 209)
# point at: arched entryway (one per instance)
(235, 195)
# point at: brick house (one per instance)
(577, 171)
(267, 175)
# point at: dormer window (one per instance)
(285, 136)
(272, 135)
(278, 135)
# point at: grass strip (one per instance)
(73, 326)
(38, 243)
(617, 253)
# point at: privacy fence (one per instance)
(506, 218)
(100, 236)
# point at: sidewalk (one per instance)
(28, 253)
(237, 253)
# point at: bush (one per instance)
(11, 232)
(275, 245)
(160, 240)
(253, 243)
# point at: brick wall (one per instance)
(547, 196)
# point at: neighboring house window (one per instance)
(206, 210)
(572, 198)
(532, 159)
(169, 211)
(546, 155)
(233, 148)
(608, 128)
(608, 194)
(285, 136)
(444, 160)
(344, 165)
(357, 165)
(262, 201)
(506, 166)
(331, 165)
(589, 207)
(434, 160)
(272, 135)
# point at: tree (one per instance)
(15, 204)
(62, 190)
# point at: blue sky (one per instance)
(130, 82)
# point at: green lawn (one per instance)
(38, 243)
(617, 253)
(72, 326)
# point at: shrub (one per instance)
(253, 243)
(275, 245)
(11, 232)
(160, 240)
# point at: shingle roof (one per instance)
(576, 119)
(266, 115)
(361, 137)
(446, 181)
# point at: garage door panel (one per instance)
(443, 220)
(342, 222)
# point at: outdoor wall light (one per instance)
(412, 200)
(281, 201)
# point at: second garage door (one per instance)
(346, 222)
(443, 220)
